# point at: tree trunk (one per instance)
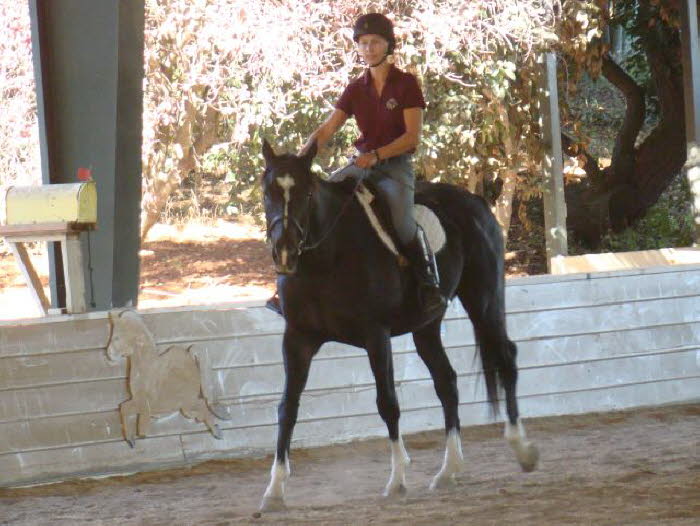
(191, 149)
(503, 207)
(621, 194)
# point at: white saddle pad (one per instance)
(424, 216)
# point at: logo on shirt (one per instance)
(391, 104)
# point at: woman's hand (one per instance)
(366, 160)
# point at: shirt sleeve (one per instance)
(345, 101)
(413, 96)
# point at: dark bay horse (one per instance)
(338, 282)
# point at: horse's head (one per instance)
(288, 188)
(127, 334)
(115, 345)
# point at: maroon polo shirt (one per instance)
(380, 119)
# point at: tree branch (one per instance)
(622, 162)
(590, 165)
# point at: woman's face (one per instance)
(372, 48)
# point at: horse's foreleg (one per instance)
(144, 420)
(379, 352)
(525, 451)
(298, 350)
(128, 412)
(430, 349)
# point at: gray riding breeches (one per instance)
(395, 180)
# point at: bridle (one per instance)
(304, 231)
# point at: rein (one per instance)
(350, 197)
(303, 247)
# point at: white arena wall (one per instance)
(587, 342)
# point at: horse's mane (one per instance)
(341, 188)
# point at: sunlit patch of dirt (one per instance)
(192, 264)
(204, 263)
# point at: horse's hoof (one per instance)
(131, 442)
(528, 457)
(274, 305)
(270, 503)
(222, 412)
(442, 481)
(216, 431)
(396, 491)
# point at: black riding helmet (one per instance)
(375, 24)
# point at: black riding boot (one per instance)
(423, 263)
(274, 304)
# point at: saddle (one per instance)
(378, 218)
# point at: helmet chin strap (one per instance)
(386, 55)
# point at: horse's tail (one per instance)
(481, 290)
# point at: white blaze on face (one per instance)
(286, 182)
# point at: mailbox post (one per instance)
(51, 213)
(88, 65)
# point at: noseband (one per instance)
(303, 232)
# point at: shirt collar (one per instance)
(393, 73)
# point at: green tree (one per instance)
(651, 82)
(223, 73)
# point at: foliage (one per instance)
(19, 133)
(477, 63)
(221, 74)
(669, 223)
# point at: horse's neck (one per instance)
(331, 210)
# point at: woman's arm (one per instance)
(413, 118)
(324, 132)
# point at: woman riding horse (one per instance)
(387, 104)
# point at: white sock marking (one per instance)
(453, 462)
(399, 461)
(525, 451)
(515, 433)
(404, 454)
(278, 476)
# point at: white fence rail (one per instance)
(586, 343)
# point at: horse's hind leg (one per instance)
(525, 451)
(380, 360)
(485, 303)
(430, 349)
(297, 349)
(201, 413)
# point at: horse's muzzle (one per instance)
(285, 261)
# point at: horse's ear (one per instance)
(310, 153)
(268, 152)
